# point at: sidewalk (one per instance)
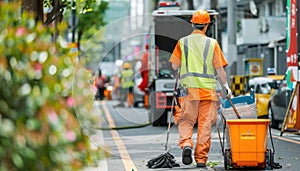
(288, 135)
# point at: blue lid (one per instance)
(240, 99)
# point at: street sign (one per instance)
(292, 117)
(291, 36)
(253, 67)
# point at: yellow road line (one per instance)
(126, 159)
(286, 139)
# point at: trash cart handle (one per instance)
(229, 98)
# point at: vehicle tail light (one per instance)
(169, 4)
(163, 100)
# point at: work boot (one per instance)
(201, 165)
(187, 155)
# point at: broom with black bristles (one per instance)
(166, 160)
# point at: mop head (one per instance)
(165, 160)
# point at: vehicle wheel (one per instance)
(159, 117)
(269, 160)
(135, 104)
(273, 123)
(227, 159)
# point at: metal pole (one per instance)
(214, 4)
(231, 27)
(275, 57)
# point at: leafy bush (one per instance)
(39, 129)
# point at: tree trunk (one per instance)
(80, 32)
(34, 6)
(54, 17)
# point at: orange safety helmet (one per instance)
(200, 17)
(126, 65)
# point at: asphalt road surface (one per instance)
(130, 141)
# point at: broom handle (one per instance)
(169, 124)
(173, 102)
(233, 107)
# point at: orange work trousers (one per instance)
(130, 99)
(205, 112)
(146, 100)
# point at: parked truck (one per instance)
(168, 26)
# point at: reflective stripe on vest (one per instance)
(127, 78)
(197, 70)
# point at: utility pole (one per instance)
(215, 5)
(35, 6)
(231, 30)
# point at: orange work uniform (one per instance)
(200, 105)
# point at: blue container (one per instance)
(239, 100)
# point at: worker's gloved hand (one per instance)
(228, 91)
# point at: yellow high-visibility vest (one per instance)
(127, 78)
(197, 70)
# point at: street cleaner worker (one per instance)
(200, 60)
(127, 83)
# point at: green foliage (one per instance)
(212, 163)
(90, 13)
(81, 4)
(41, 95)
(92, 18)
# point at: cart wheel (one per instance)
(269, 160)
(227, 159)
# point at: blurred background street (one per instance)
(87, 85)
